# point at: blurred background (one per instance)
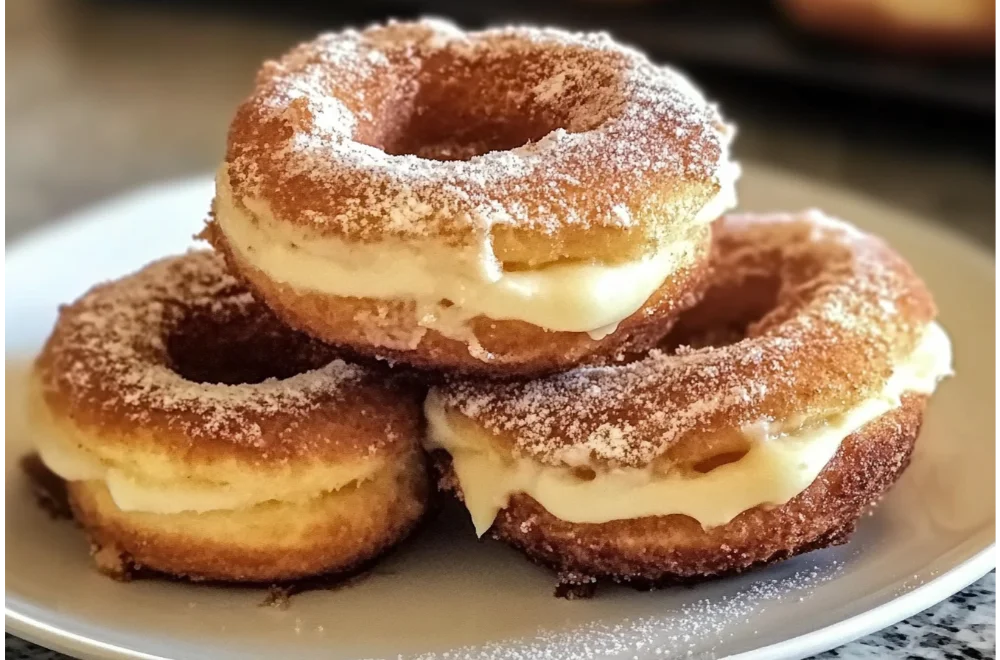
(893, 98)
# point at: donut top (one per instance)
(181, 353)
(820, 311)
(420, 129)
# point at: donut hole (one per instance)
(450, 135)
(584, 473)
(727, 313)
(463, 103)
(240, 346)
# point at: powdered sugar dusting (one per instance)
(693, 629)
(110, 352)
(847, 308)
(318, 134)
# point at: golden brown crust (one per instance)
(390, 330)
(822, 314)
(126, 368)
(653, 550)
(334, 533)
(558, 145)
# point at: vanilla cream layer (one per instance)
(779, 465)
(571, 297)
(137, 493)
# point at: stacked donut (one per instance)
(624, 383)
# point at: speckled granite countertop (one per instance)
(964, 626)
(104, 97)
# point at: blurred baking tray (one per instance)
(751, 36)
(736, 36)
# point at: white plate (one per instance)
(932, 536)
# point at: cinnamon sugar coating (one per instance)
(554, 145)
(248, 450)
(822, 312)
(180, 360)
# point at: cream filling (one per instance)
(779, 465)
(132, 492)
(571, 297)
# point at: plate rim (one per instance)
(897, 608)
(836, 634)
(889, 613)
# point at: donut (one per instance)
(953, 28)
(503, 202)
(201, 438)
(774, 413)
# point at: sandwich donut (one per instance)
(202, 438)
(780, 407)
(503, 202)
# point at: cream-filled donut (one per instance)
(202, 438)
(501, 202)
(780, 407)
